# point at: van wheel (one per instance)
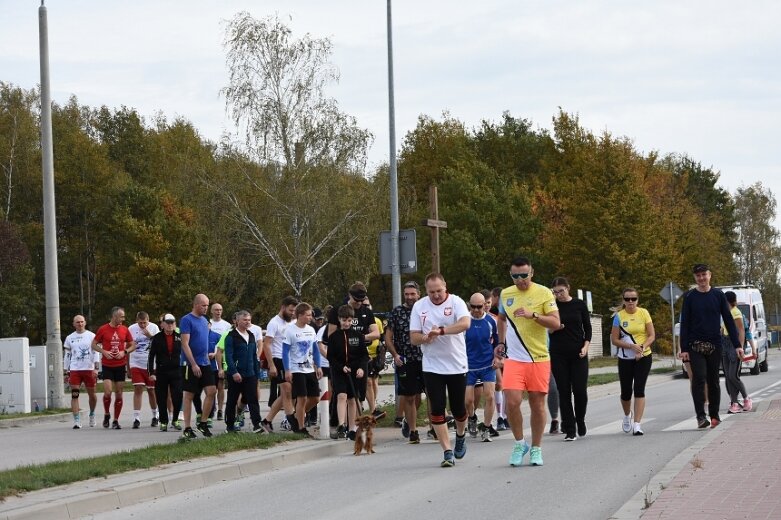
(763, 366)
(754, 371)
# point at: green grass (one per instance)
(602, 362)
(48, 411)
(41, 476)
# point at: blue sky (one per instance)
(696, 77)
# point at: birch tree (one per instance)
(303, 207)
(759, 250)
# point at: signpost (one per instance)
(670, 293)
(407, 255)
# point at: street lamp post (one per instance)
(394, 189)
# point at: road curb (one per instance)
(638, 504)
(38, 419)
(172, 479)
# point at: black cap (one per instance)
(700, 268)
(358, 294)
(317, 312)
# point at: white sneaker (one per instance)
(626, 424)
(92, 421)
(77, 423)
(638, 430)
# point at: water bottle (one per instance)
(36, 406)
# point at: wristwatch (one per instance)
(534, 315)
(441, 331)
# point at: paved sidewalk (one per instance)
(733, 472)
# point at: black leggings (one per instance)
(440, 388)
(570, 372)
(166, 380)
(633, 374)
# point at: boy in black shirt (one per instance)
(349, 361)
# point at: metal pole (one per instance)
(394, 189)
(672, 323)
(53, 341)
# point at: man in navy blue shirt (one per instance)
(198, 374)
(704, 308)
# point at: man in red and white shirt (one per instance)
(437, 324)
(114, 342)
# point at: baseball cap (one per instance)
(169, 318)
(700, 268)
(317, 312)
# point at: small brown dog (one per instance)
(364, 434)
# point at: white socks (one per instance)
(499, 396)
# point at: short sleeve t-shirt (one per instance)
(301, 342)
(399, 323)
(526, 340)
(372, 347)
(257, 332)
(631, 328)
(363, 319)
(480, 339)
(736, 313)
(323, 360)
(198, 329)
(276, 331)
(220, 327)
(80, 355)
(139, 358)
(113, 339)
(446, 354)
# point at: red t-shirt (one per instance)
(113, 339)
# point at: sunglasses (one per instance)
(630, 299)
(522, 276)
(475, 307)
(358, 299)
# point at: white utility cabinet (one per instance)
(15, 375)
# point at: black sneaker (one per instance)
(378, 414)
(136, 424)
(267, 426)
(492, 431)
(582, 428)
(397, 422)
(258, 428)
(204, 429)
(294, 426)
(414, 437)
(155, 422)
(431, 434)
(115, 426)
(341, 432)
(405, 429)
(106, 420)
(554, 426)
(351, 435)
(451, 421)
(304, 432)
(702, 422)
(232, 429)
(570, 437)
(500, 424)
(188, 434)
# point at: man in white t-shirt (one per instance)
(221, 327)
(81, 366)
(142, 331)
(437, 324)
(272, 346)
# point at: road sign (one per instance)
(408, 255)
(671, 292)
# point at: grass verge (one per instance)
(41, 476)
(48, 411)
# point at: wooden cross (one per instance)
(435, 224)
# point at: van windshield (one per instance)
(744, 308)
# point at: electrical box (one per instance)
(15, 375)
(39, 380)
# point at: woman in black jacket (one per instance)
(165, 369)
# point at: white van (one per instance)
(750, 303)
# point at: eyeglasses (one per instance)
(475, 307)
(522, 276)
(558, 291)
(630, 299)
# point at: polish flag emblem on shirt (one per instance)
(448, 311)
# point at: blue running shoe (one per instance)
(535, 457)
(448, 461)
(520, 449)
(460, 449)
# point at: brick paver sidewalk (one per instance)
(737, 475)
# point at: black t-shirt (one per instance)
(364, 318)
(577, 328)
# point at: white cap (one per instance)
(169, 317)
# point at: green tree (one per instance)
(760, 253)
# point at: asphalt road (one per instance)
(590, 478)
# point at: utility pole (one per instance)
(53, 340)
(394, 189)
(434, 224)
